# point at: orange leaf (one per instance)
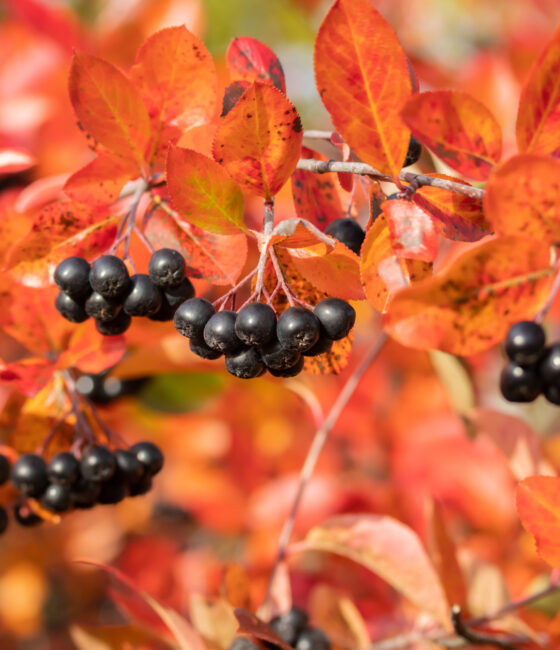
(412, 230)
(458, 129)
(362, 77)
(471, 304)
(259, 140)
(251, 625)
(523, 196)
(27, 375)
(203, 192)
(109, 107)
(250, 60)
(538, 506)
(91, 352)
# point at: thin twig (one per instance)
(317, 135)
(476, 638)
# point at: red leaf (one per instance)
(412, 230)
(259, 140)
(458, 129)
(91, 352)
(232, 95)
(362, 77)
(15, 160)
(250, 60)
(28, 375)
(251, 625)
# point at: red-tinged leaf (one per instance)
(236, 586)
(40, 192)
(362, 77)
(295, 233)
(219, 259)
(32, 429)
(523, 197)
(316, 196)
(109, 107)
(470, 305)
(176, 77)
(458, 129)
(413, 234)
(538, 506)
(259, 140)
(213, 620)
(538, 117)
(114, 637)
(91, 352)
(250, 60)
(232, 94)
(27, 375)
(251, 625)
(389, 549)
(15, 160)
(101, 180)
(203, 193)
(346, 180)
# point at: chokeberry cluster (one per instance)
(106, 292)
(98, 476)
(254, 340)
(533, 367)
(104, 389)
(348, 231)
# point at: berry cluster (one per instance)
(533, 368)
(106, 292)
(254, 340)
(348, 231)
(104, 389)
(66, 482)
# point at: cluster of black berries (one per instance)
(533, 368)
(294, 629)
(104, 389)
(348, 231)
(100, 476)
(254, 340)
(106, 292)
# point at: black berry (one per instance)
(549, 366)
(149, 455)
(144, 298)
(219, 332)
(56, 497)
(118, 325)
(29, 475)
(25, 516)
(244, 643)
(199, 347)
(109, 276)
(166, 268)
(63, 468)
(3, 520)
(298, 328)
(324, 344)
(101, 308)
(72, 277)
(97, 463)
(348, 231)
(72, 310)
(172, 298)
(524, 342)
(192, 316)
(290, 625)
(413, 153)
(278, 357)
(552, 393)
(337, 317)
(290, 371)
(140, 487)
(85, 493)
(113, 490)
(256, 324)
(313, 638)
(128, 465)
(245, 364)
(519, 383)
(5, 467)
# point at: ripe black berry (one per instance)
(109, 276)
(25, 516)
(290, 371)
(29, 475)
(3, 520)
(278, 357)
(549, 365)
(143, 486)
(63, 468)
(85, 493)
(191, 317)
(71, 309)
(290, 625)
(337, 317)
(245, 364)
(149, 455)
(244, 643)
(219, 332)
(348, 231)
(72, 277)
(413, 153)
(519, 383)
(256, 324)
(524, 342)
(552, 393)
(128, 465)
(313, 638)
(101, 308)
(144, 298)
(298, 328)
(324, 344)
(166, 268)
(97, 463)
(118, 325)
(113, 490)
(199, 347)
(56, 497)
(172, 298)
(5, 467)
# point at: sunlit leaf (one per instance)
(250, 60)
(413, 234)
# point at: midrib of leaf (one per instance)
(197, 182)
(82, 234)
(260, 146)
(542, 122)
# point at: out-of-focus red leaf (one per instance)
(203, 192)
(470, 305)
(89, 351)
(14, 160)
(458, 129)
(362, 77)
(115, 637)
(232, 94)
(523, 197)
(250, 60)
(251, 625)
(412, 230)
(259, 140)
(28, 375)
(40, 192)
(389, 549)
(236, 586)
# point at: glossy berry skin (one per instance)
(172, 298)
(3, 520)
(149, 455)
(29, 475)
(63, 468)
(278, 357)
(290, 371)
(118, 325)
(549, 365)
(128, 465)
(144, 298)
(97, 463)
(113, 490)
(324, 344)
(72, 277)
(290, 625)
(552, 393)
(245, 364)
(191, 317)
(85, 493)
(524, 343)
(313, 638)
(256, 324)
(143, 486)
(348, 231)
(5, 467)
(70, 309)
(337, 317)
(414, 152)
(26, 517)
(101, 308)
(519, 383)
(199, 347)
(298, 328)
(57, 498)
(109, 277)
(219, 332)
(166, 268)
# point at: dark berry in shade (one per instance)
(172, 298)
(337, 317)
(85, 493)
(166, 268)
(25, 516)
(165, 313)
(191, 317)
(118, 325)
(278, 357)
(290, 625)
(290, 371)
(244, 643)
(524, 343)
(393, 196)
(128, 465)
(219, 332)
(72, 277)
(101, 308)
(97, 463)
(63, 468)
(92, 386)
(3, 520)
(57, 497)
(414, 152)
(199, 347)
(256, 324)
(5, 467)
(149, 455)
(112, 491)
(247, 363)
(348, 231)
(312, 638)
(109, 277)
(29, 475)
(298, 328)
(143, 298)
(552, 393)
(549, 365)
(138, 488)
(520, 383)
(72, 310)
(324, 344)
